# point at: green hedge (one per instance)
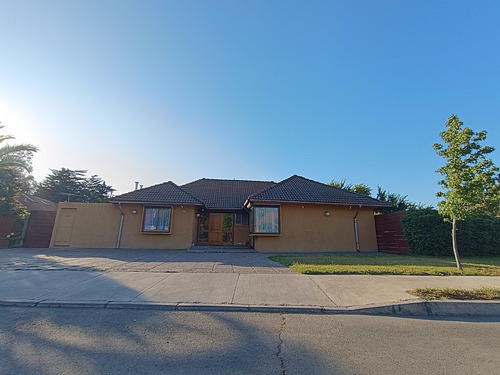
(427, 233)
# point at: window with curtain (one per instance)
(156, 219)
(266, 220)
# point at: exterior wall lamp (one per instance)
(327, 213)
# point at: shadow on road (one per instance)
(102, 341)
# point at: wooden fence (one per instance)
(39, 230)
(390, 238)
(37, 234)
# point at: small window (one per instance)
(266, 220)
(241, 218)
(156, 219)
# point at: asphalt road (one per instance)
(102, 341)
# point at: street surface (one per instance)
(47, 341)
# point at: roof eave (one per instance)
(248, 202)
(156, 203)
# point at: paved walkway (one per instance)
(181, 280)
(129, 260)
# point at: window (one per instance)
(266, 220)
(156, 219)
(241, 218)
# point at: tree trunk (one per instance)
(454, 241)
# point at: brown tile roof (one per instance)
(33, 203)
(166, 193)
(232, 194)
(225, 194)
(302, 190)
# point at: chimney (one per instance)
(136, 185)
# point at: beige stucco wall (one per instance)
(95, 225)
(305, 228)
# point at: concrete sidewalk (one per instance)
(240, 292)
(178, 280)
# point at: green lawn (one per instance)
(448, 293)
(388, 265)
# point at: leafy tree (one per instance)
(471, 182)
(399, 202)
(15, 156)
(358, 188)
(96, 190)
(15, 166)
(72, 185)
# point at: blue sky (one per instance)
(153, 91)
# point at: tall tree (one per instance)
(15, 156)
(72, 185)
(399, 202)
(358, 188)
(15, 168)
(471, 182)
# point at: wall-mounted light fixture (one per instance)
(327, 213)
(134, 211)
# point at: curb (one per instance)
(418, 308)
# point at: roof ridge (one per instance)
(343, 190)
(348, 195)
(189, 193)
(272, 187)
(151, 188)
(225, 179)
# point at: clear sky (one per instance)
(153, 91)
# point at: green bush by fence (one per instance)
(427, 234)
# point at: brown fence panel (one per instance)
(39, 230)
(390, 238)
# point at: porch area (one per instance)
(223, 230)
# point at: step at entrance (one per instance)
(220, 249)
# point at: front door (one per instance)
(215, 232)
(215, 229)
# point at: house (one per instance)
(294, 215)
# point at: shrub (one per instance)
(427, 233)
(479, 235)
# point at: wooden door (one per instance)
(65, 227)
(215, 233)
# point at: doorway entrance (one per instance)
(215, 229)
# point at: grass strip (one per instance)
(460, 294)
(388, 265)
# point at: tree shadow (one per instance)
(94, 341)
(152, 260)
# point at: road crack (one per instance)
(279, 354)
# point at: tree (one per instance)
(471, 182)
(15, 156)
(96, 190)
(362, 189)
(399, 202)
(15, 168)
(72, 185)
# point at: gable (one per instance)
(225, 194)
(302, 190)
(166, 193)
